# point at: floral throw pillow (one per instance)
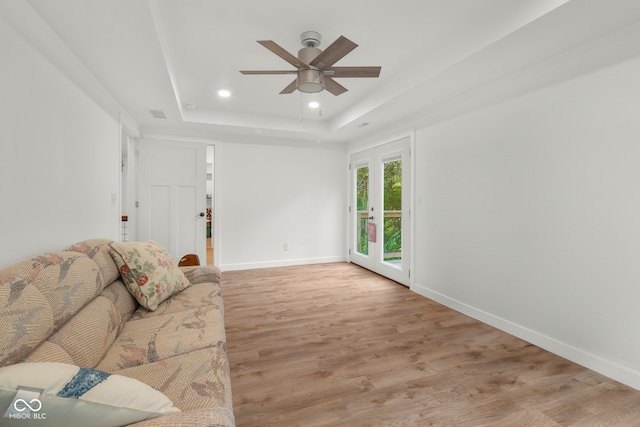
(148, 271)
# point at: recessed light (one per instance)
(224, 93)
(314, 104)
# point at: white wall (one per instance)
(270, 195)
(59, 157)
(530, 217)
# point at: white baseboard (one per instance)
(281, 263)
(591, 361)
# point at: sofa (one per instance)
(78, 348)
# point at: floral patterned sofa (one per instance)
(77, 336)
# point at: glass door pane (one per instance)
(362, 209)
(392, 206)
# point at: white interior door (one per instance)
(379, 210)
(173, 196)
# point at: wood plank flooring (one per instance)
(209, 252)
(336, 345)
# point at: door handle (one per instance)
(201, 214)
(371, 218)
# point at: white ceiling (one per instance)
(164, 54)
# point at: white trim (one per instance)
(281, 263)
(217, 201)
(373, 143)
(160, 136)
(609, 368)
(412, 206)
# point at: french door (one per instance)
(379, 210)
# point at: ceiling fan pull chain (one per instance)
(301, 118)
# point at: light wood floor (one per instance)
(209, 252)
(335, 345)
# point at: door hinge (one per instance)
(349, 251)
(349, 209)
(349, 166)
(137, 204)
(409, 274)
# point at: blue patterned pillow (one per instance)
(65, 395)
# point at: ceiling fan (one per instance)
(314, 67)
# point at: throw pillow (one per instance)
(57, 394)
(148, 271)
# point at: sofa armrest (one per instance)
(201, 274)
(208, 417)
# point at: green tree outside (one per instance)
(392, 188)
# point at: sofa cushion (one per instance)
(38, 295)
(73, 396)
(202, 274)
(154, 338)
(207, 417)
(48, 351)
(99, 251)
(121, 299)
(197, 380)
(195, 296)
(87, 336)
(148, 271)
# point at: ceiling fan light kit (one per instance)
(314, 67)
(310, 81)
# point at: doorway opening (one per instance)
(128, 187)
(210, 204)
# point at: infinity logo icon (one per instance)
(35, 408)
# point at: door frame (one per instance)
(408, 204)
(216, 228)
(217, 211)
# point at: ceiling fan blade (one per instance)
(268, 71)
(333, 53)
(275, 48)
(291, 88)
(353, 72)
(333, 86)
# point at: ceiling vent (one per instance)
(157, 114)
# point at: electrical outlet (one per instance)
(286, 246)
